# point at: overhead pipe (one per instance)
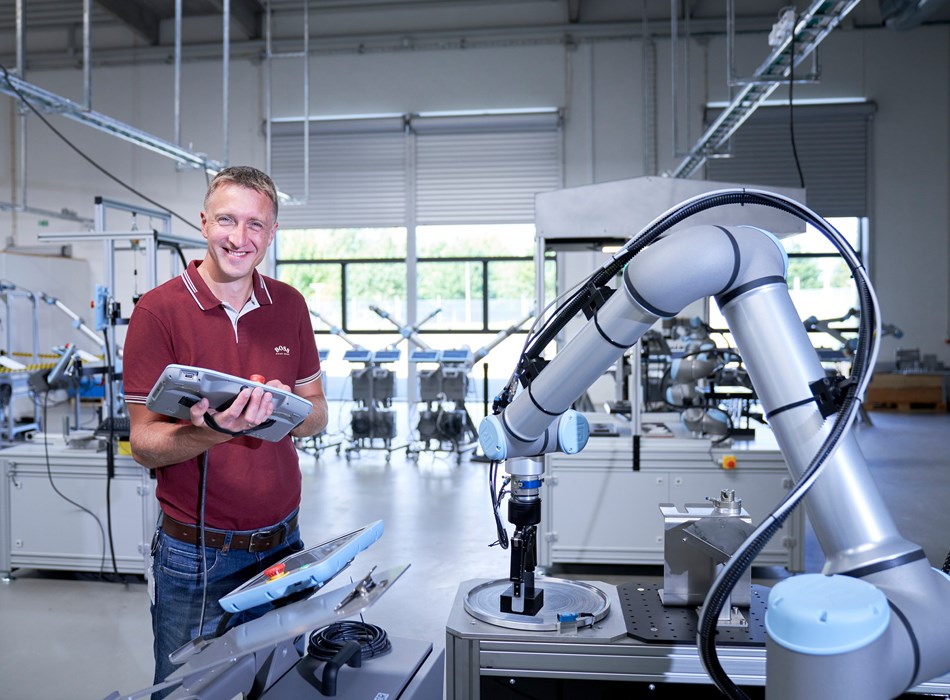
(178, 72)
(648, 60)
(87, 51)
(225, 78)
(268, 87)
(306, 101)
(20, 198)
(674, 71)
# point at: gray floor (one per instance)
(73, 636)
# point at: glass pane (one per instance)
(819, 287)
(550, 279)
(813, 241)
(454, 287)
(340, 243)
(339, 371)
(380, 284)
(499, 240)
(497, 361)
(320, 285)
(511, 292)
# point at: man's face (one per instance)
(239, 224)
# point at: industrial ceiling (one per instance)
(51, 32)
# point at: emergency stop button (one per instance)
(729, 462)
(275, 572)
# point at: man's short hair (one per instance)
(245, 176)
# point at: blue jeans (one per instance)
(178, 582)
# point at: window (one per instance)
(481, 277)
(468, 182)
(832, 141)
(819, 283)
(438, 206)
(342, 271)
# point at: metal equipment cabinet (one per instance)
(40, 529)
(601, 506)
(487, 662)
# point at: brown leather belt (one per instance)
(259, 541)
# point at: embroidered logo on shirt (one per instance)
(282, 350)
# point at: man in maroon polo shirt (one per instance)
(221, 314)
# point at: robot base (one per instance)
(491, 656)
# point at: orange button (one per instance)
(274, 572)
(729, 461)
(259, 378)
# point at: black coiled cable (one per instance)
(327, 641)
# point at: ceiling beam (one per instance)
(247, 13)
(573, 11)
(45, 101)
(139, 18)
(811, 28)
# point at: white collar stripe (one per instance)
(189, 285)
(266, 290)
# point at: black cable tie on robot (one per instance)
(787, 407)
(829, 393)
(597, 296)
(603, 334)
(540, 407)
(530, 368)
(213, 424)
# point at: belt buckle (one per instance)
(263, 540)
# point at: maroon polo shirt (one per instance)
(251, 483)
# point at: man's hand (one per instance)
(250, 408)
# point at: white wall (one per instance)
(602, 89)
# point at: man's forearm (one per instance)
(315, 423)
(163, 444)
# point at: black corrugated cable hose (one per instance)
(327, 641)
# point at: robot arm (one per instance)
(743, 268)
(648, 292)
